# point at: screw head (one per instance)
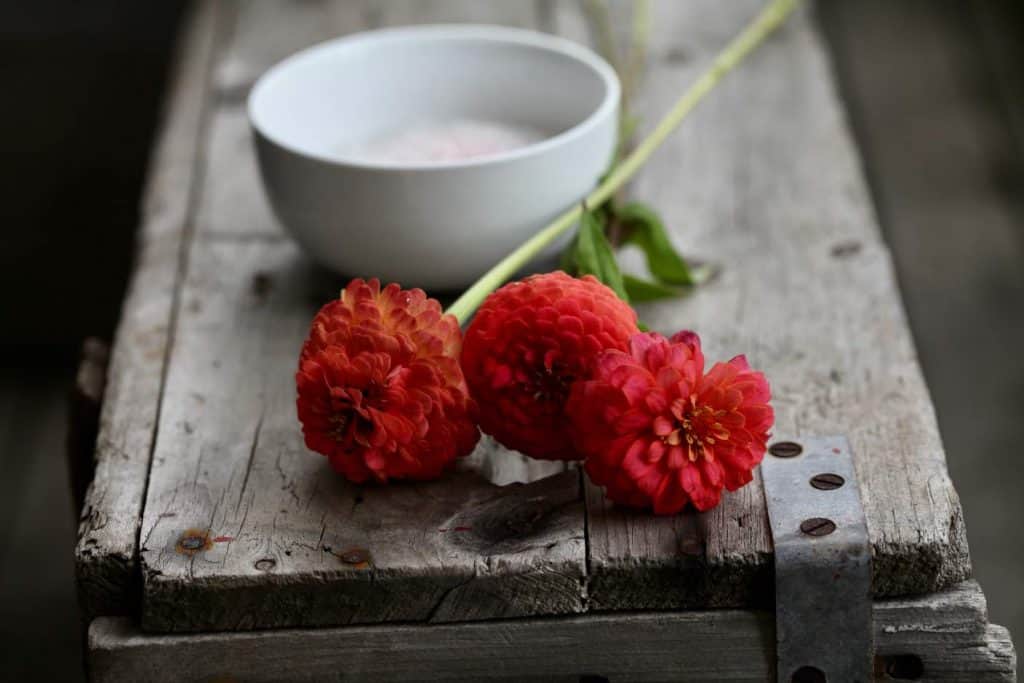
(808, 674)
(786, 449)
(266, 564)
(827, 481)
(904, 667)
(817, 526)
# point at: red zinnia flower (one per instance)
(526, 346)
(658, 433)
(380, 391)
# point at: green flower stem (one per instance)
(742, 45)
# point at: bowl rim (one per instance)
(477, 32)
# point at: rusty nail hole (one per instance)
(266, 564)
(904, 667)
(827, 481)
(817, 526)
(193, 541)
(354, 556)
(691, 546)
(808, 674)
(786, 449)
(261, 283)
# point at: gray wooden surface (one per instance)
(946, 632)
(230, 465)
(762, 179)
(106, 556)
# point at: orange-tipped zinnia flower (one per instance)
(526, 346)
(659, 433)
(380, 391)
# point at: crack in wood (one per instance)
(252, 457)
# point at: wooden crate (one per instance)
(213, 545)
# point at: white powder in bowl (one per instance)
(451, 141)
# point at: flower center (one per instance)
(349, 418)
(698, 427)
(551, 385)
(339, 424)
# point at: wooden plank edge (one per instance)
(910, 568)
(946, 635)
(913, 569)
(106, 552)
(84, 405)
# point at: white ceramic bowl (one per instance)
(437, 225)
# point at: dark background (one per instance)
(82, 82)
(935, 94)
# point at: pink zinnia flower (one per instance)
(659, 433)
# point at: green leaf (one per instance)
(646, 230)
(567, 261)
(594, 255)
(641, 291)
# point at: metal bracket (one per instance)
(823, 620)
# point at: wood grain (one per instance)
(945, 633)
(106, 556)
(763, 180)
(245, 528)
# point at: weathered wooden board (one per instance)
(106, 554)
(763, 179)
(244, 527)
(238, 258)
(84, 417)
(945, 635)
